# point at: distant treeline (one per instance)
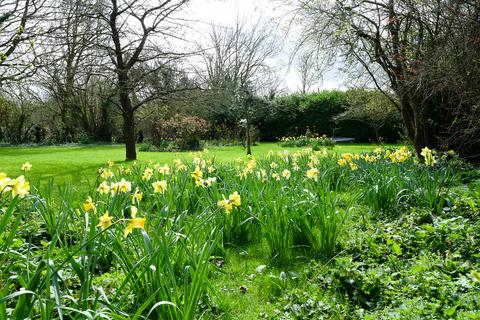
(275, 117)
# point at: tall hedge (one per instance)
(292, 115)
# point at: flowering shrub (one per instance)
(308, 140)
(181, 133)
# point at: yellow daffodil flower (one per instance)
(210, 181)
(133, 211)
(135, 223)
(104, 221)
(197, 173)
(89, 205)
(242, 174)
(159, 186)
(19, 187)
(147, 174)
(137, 196)
(295, 166)
(428, 156)
(234, 198)
(225, 204)
(114, 188)
(26, 166)
(124, 186)
(105, 173)
(200, 182)
(262, 175)
(4, 183)
(164, 170)
(313, 174)
(197, 161)
(276, 176)
(103, 188)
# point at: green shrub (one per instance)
(294, 114)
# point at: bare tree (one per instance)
(450, 74)
(237, 66)
(73, 61)
(18, 112)
(134, 29)
(22, 22)
(390, 40)
(309, 70)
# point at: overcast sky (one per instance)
(225, 12)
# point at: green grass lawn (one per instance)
(78, 164)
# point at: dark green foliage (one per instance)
(319, 109)
(404, 268)
(294, 114)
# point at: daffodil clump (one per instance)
(105, 220)
(394, 156)
(399, 155)
(248, 169)
(349, 159)
(198, 174)
(353, 160)
(105, 173)
(428, 156)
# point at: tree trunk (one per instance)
(377, 136)
(128, 115)
(416, 126)
(128, 122)
(421, 139)
(249, 138)
(408, 117)
(129, 135)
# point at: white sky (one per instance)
(226, 12)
